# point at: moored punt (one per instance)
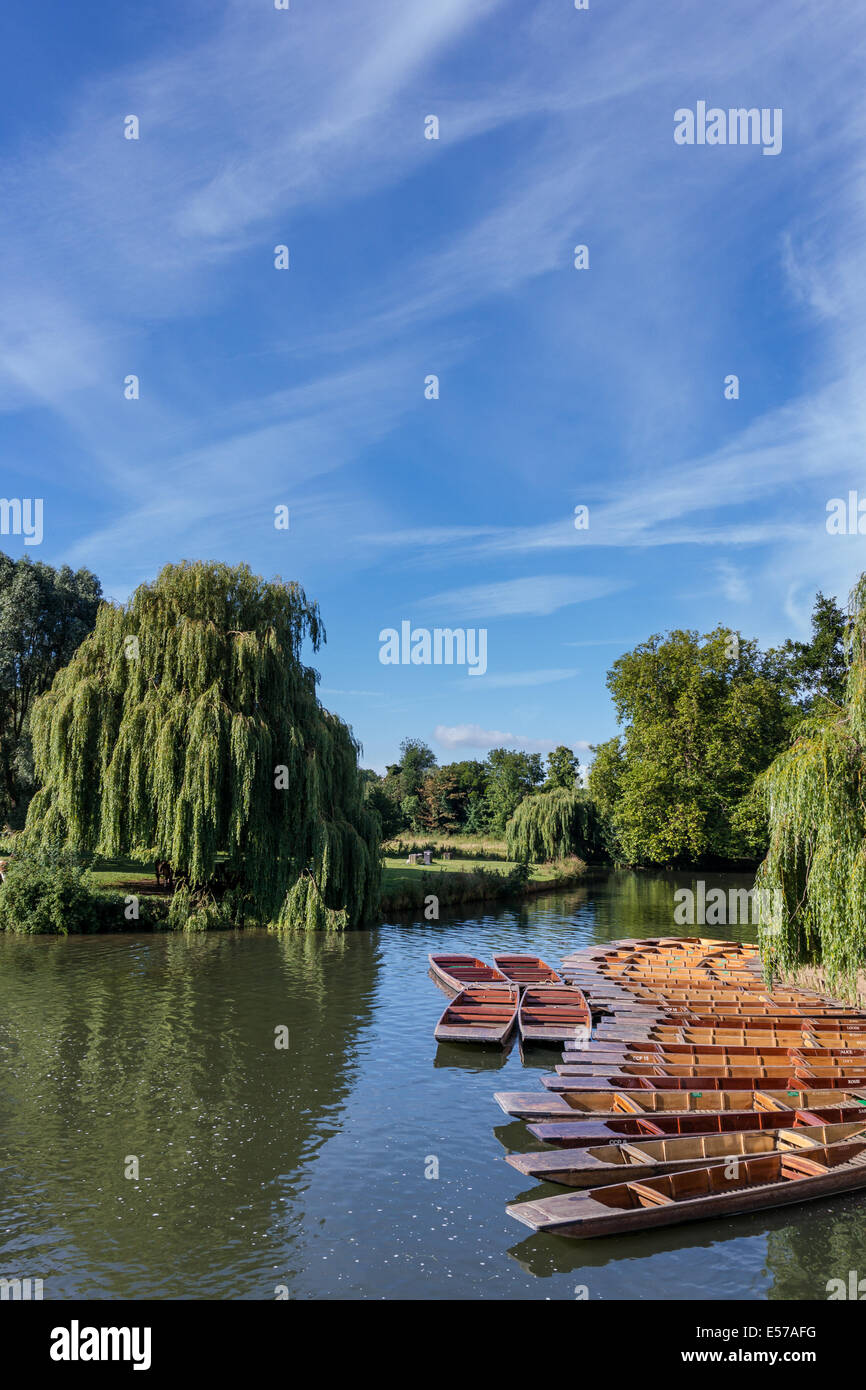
(730, 1081)
(604, 1104)
(479, 1014)
(649, 1064)
(552, 1014)
(646, 1158)
(527, 970)
(769, 1180)
(662, 1055)
(456, 972)
(750, 1035)
(577, 1134)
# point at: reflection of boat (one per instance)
(527, 970)
(460, 1058)
(552, 1014)
(572, 1105)
(770, 1180)
(479, 1014)
(456, 972)
(598, 1164)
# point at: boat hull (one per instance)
(592, 1213)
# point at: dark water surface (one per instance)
(305, 1167)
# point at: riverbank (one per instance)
(409, 887)
(463, 870)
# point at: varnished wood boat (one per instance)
(527, 970)
(733, 1080)
(671, 1051)
(456, 972)
(577, 1134)
(479, 1014)
(636, 1159)
(770, 1180)
(552, 1013)
(551, 1105)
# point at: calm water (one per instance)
(305, 1167)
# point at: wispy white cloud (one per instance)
(473, 736)
(535, 595)
(519, 679)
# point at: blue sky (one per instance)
(454, 257)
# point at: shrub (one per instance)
(41, 896)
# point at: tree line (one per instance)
(184, 725)
(474, 797)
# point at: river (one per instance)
(301, 1171)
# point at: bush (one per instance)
(40, 896)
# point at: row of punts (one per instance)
(696, 1091)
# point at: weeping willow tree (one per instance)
(813, 907)
(553, 825)
(187, 726)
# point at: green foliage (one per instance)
(390, 816)
(44, 616)
(51, 895)
(562, 769)
(816, 863)
(513, 775)
(702, 719)
(554, 825)
(817, 670)
(187, 723)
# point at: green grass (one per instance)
(406, 886)
(463, 879)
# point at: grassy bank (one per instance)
(405, 887)
(478, 871)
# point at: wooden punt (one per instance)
(831, 1036)
(527, 970)
(479, 1014)
(769, 1180)
(649, 1064)
(552, 1014)
(663, 1054)
(638, 1158)
(456, 972)
(578, 1134)
(743, 1081)
(605, 1104)
(673, 1051)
